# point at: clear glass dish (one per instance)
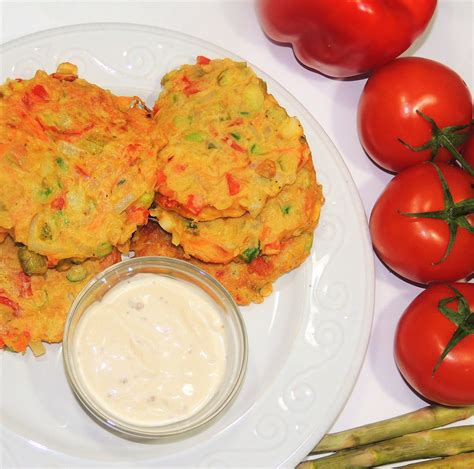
(236, 344)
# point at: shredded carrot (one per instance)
(81, 171)
(235, 122)
(160, 178)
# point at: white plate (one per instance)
(307, 341)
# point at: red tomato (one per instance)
(414, 246)
(422, 336)
(343, 38)
(388, 109)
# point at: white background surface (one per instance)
(380, 391)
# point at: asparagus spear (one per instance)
(423, 419)
(462, 461)
(421, 445)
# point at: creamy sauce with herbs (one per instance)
(152, 351)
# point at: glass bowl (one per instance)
(235, 339)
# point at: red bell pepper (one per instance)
(13, 305)
(202, 60)
(232, 184)
(345, 38)
(24, 285)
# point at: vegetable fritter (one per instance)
(247, 282)
(294, 210)
(78, 165)
(231, 146)
(33, 309)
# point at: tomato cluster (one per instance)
(414, 116)
(415, 119)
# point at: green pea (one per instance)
(76, 273)
(103, 249)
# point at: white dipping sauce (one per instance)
(152, 351)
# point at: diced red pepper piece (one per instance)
(15, 307)
(52, 262)
(260, 267)
(24, 285)
(58, 203)
(40, 92)
(190, 86)
(166, 202)
(194, 204)
(201, 60)
(233, 184)
(137, 215)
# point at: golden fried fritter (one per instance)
(294, 210)
(34, 309)
(78, 165)
(231, 146)
(246, 282)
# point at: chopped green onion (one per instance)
(194, 137)
(146, 199)
(46, 232)
(44, 193)
(192, 225)
(254, 149)
(61, 163)
(236, 136)
(250, 254)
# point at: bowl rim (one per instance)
(173, 429)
